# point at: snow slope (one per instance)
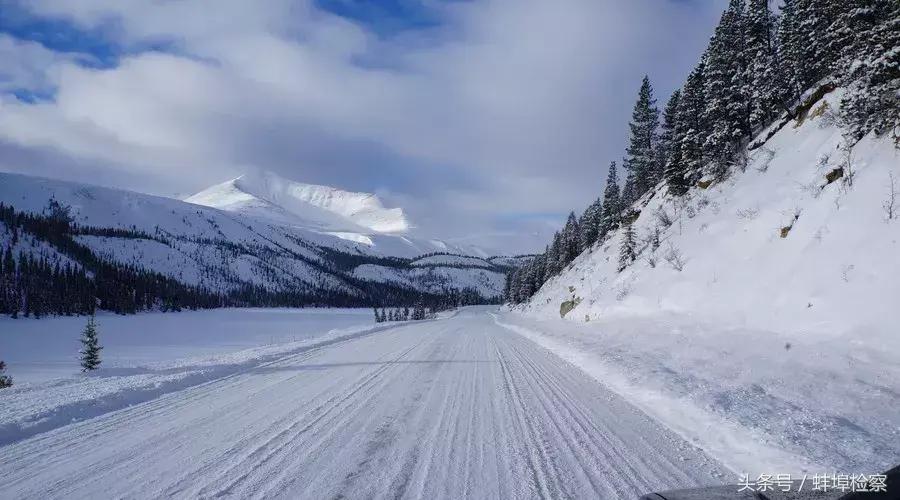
(793, 337)
(832, 274)
(268, 195)
(455, 408)
(220, 249)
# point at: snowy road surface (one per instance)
(456, 408)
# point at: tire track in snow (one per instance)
(447, 409)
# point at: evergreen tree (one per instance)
(5, 380)
(629, 192)
(790, 48)
(813, 57)
(590, 224)
(668, 138)
(691, 131)
(763, 73)
(377, 316)
(612, 204)
(507, 288)
(641, 159)
(90, 352)
(554, 257)
(727, 107)
(569, 241)
(627, 252)
(872, 102)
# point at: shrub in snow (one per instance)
(890, 204)
(5, 380)
(748, 213)
(768, 156)
(623, 290)
(663, 217)
(675, 258)
(90, 352)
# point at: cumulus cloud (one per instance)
(507, 108)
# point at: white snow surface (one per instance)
(41, 350)
(793, 338)
(268, 195)
(453, 408)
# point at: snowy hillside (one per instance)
(760, 309)
(225, 251)
(777, 246)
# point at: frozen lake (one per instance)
(40, 350)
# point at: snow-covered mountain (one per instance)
(358, 218)
(265, 194)
(269, 233)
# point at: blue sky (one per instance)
(482, 118)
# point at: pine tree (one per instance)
(668, 138)
(763, 73)
(727, 107)
(816, 55)
(790, 48)
(507, 288)
(90, 352)
(377, 316)
(641, 159)
(612, 204)
(569, 241)
(629, 192)
(691, 130)
(5, 380)
(553, 257)
(872, 102)
(627, 253)
(590, 224)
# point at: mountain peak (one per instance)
(269, 195)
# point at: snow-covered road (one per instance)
(456, 408)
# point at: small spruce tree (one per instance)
(90, 353)
(5, 380)
(627, 254)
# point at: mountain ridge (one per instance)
(242, 258)
(268, 195)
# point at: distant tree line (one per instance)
(760, 68)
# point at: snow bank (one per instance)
(816, 407)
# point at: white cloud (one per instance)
(524, 101)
